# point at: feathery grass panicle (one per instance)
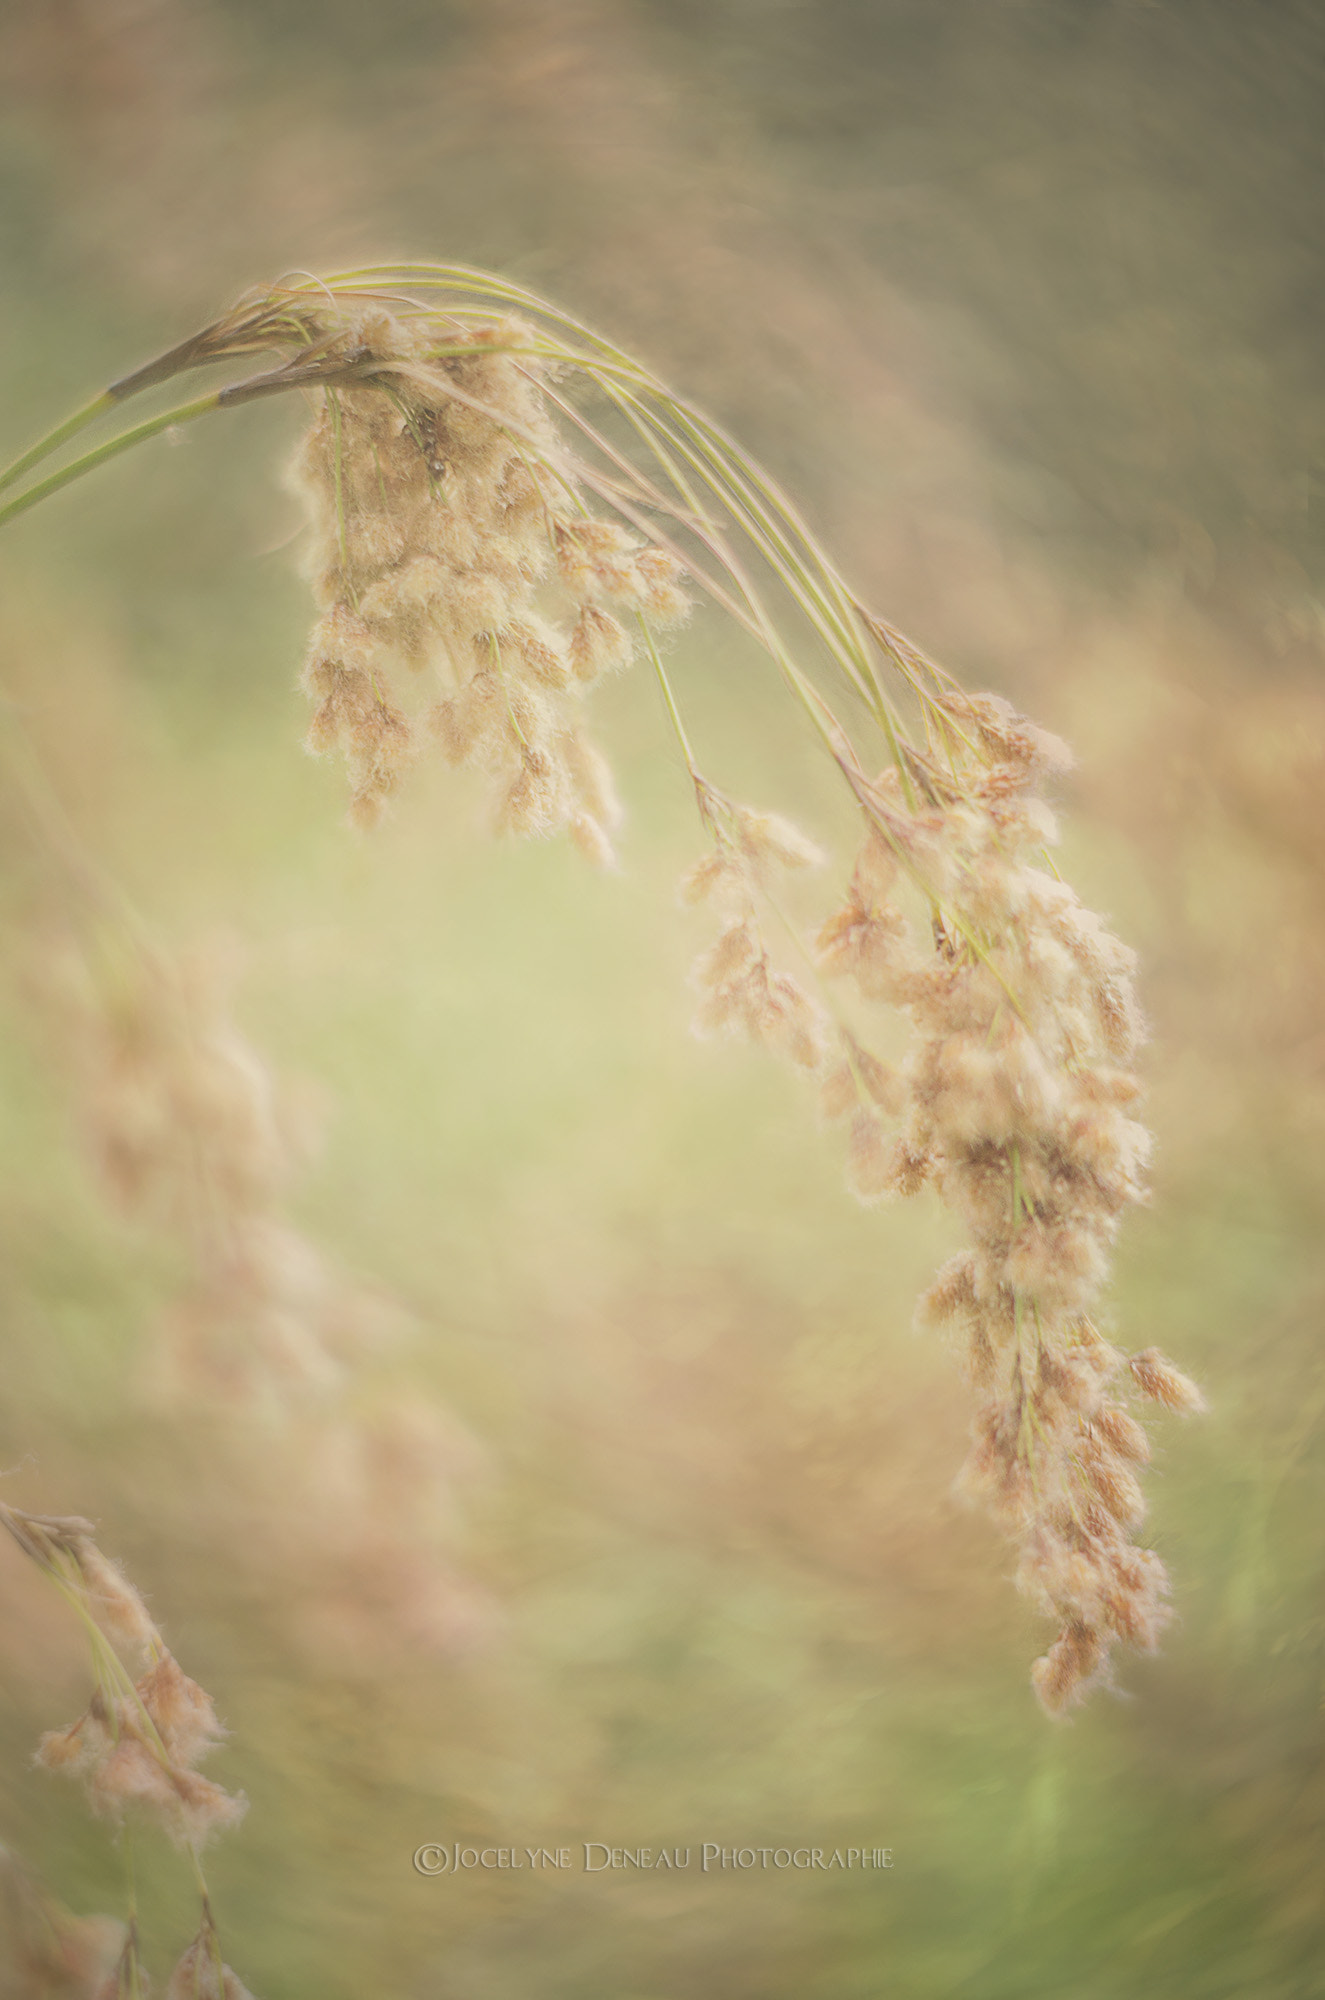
(137, 1744)
(1018, 1111)
(139, 1739)
(188, 1133)
(456, 530)
(440, 510)
(740, 990)
(201, 1974)
(188, 1129)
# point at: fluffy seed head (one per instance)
(869, 1158)
(599, 644)
(1157, 1378)
(112, 1599)
(1123, 1434)
(768, 838)
(202, 1975)
(1065, 1673)
(181, 1711)
(720, 877)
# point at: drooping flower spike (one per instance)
(504, 506)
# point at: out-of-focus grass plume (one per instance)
(621, 1509)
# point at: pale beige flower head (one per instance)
(201, 1973)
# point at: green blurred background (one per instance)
(1023, 298)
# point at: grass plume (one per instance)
(504, 506)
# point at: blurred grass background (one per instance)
(1023, 299)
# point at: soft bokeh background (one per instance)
(1023, 298)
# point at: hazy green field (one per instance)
(1022, 301)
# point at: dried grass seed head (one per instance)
(201, 1973)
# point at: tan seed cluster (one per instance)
(449, 534)
(740, 989)
(201, 1973)
(186, 1125)
(190, 1133)
(138, 1742)
(1016, 1105)
(359, 1513)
